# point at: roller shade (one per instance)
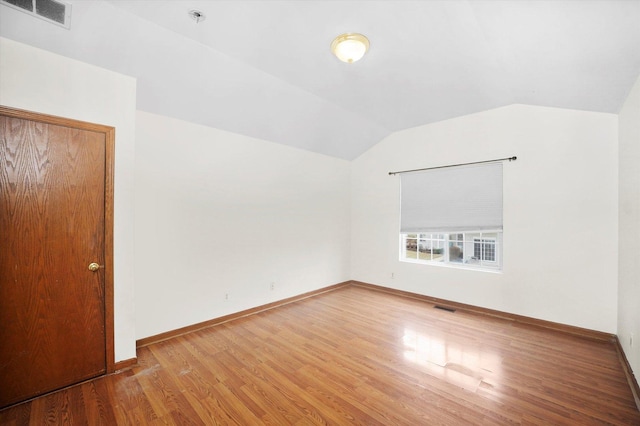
(456, 199)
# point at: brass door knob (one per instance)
(94, 267)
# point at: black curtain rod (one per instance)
(514, 158)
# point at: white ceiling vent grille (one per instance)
(54, 11)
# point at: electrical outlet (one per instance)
(393, 275)
(226, 296)
(272, 286)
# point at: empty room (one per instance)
(319, 212)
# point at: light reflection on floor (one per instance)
(463, 366)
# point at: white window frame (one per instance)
(467, 242)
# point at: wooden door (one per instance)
(55, 219)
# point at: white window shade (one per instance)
(464, 198)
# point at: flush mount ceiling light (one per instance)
(350, 47)
(197, 16)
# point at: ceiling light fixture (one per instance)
(350, 47)
(197, 16)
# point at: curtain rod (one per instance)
(514, 158)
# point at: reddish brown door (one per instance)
(52, 227)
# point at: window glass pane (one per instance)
(477, 249)
(489, 250)
(51, 9)
(22, 4)
(438, 250)
(424, 250)
(484, 249)
(456, 252)
(411, 248)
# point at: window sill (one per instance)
(463, 266)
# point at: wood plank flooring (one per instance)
(354, 356)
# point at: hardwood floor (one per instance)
(355, 356)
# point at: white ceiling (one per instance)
(264, 69)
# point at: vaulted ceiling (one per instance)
(264, 68)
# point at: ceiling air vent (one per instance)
(53, 11)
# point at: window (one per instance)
(484, 249)
(453, 216)
(424, 246)
(53, 11)
(473, 250)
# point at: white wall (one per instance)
(560, 212)
(39, 81)
(218, 213)
(629, 237)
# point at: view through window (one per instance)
(453, 216)
(480, 249)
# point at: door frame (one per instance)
(109, 136)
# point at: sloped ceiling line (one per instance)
(263, 68)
